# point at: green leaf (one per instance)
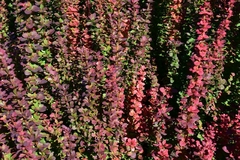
(41, 6)
(10, 5)
(45, 42)
(191, 40)
(199, 136)
(8, 156)
(61, 20)
(43, 140)
(104, 95)
(32, 111)
(36, 117)
(40, 127)
(200, 125)
(30, 95)
(35, 105)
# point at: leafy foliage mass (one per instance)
(119, 79)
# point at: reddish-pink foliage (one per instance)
(136, 100)
(73, 35)
(206, 148)
(196, 89)
(131, 142)
(83, 80)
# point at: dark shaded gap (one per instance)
(15, 53)
(158, 11)
(180, 80)
(228, 103)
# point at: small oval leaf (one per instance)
(225, 149)
(29, 50)
(27, 11)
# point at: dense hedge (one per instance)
(119, 79)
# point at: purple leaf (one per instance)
(28, 73)
(34, 58)
(51, 31)
(37, 47)
(40, 96)
(29, 25)
(42, 108)
(2, 136)
(25, 35)
(29, 50)
(134, 1)
(27, 143)
(18, 124)
(27, 11)
(35, 35)
(35, 8)
(19, 94)
(48, 23)
(37, 69)
(2, 73)
(27, 113)
(92, 16)
(43, 81)
(22, 155)
(22, 39)
(34, 88)
(40, 146)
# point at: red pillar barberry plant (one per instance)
(196, 90)
(227, 136)
(135, 108)
(236, 133)
(73, 16)
(160, 116)
(206, 146)
(218, 57)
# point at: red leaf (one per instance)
(72, 9)
(182, 143)
(162, 89)
(225, 149)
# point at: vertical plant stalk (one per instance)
(217, 62)
(114, 97)
(174, 38)
(236, 130)
(4, 149)
(135, 110)
(159, 102)
(191, 103)
(91, 109)
(15, 114)
(3, 22)
(33, 43)
(206, 148)
(218, 58)
(73, 26)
